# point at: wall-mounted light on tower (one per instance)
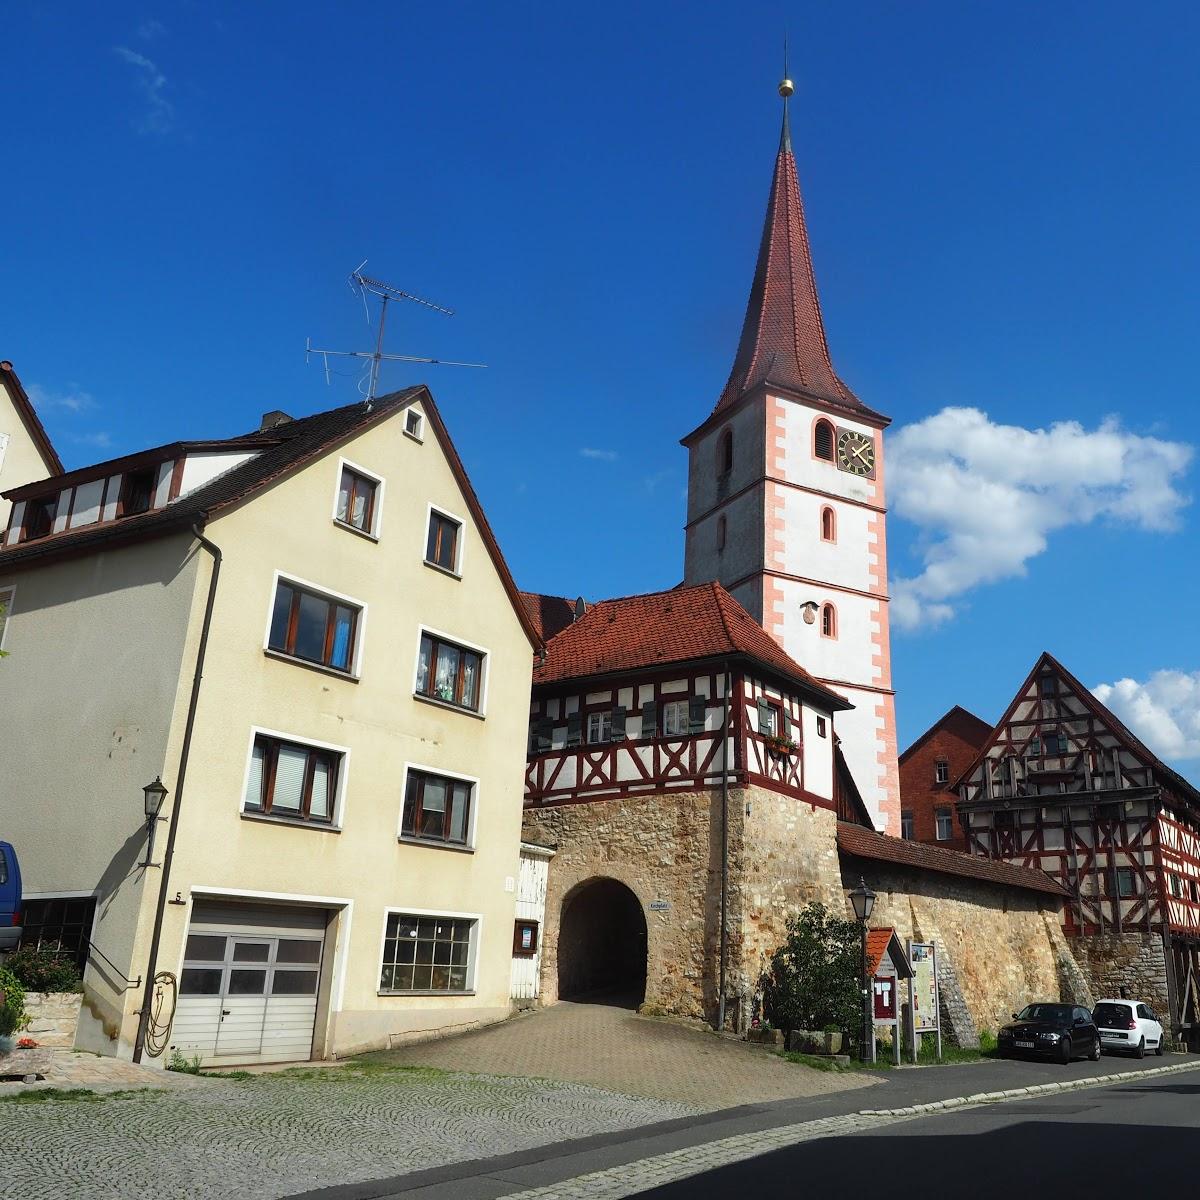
(155, 793)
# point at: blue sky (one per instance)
(1001, 202)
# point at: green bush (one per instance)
(813, 978)
(12, 1012)
(44, 969)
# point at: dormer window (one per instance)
(39, 516)
(137, 492)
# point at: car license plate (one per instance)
(1024, 1045)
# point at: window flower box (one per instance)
(779, 745)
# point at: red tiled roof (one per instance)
(549, 614)
(783, 336)
(878, 940)
(675, 626)
(865, 843)
(28, 415)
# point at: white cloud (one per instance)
(602, 455)
(74, 399)
(1164, 711)
(149, 30)
(986, 497)
(159, 113)
(101, 439)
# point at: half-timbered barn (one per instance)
(682, 765)
(1064, 786)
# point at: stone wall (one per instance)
(1130, 961)
(53, 1018)
(667, 850)
(997, 946)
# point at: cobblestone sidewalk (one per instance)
(67, 1069)
(279, 1134)
(613, 1048)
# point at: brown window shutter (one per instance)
(697, 709)
(574, 729)
(650, 719)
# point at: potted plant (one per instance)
(780, 744)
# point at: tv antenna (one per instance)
(365, 286)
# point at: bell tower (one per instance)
(786, 495)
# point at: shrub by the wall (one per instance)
(44, 969)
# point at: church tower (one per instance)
(786, 496)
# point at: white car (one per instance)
(1128, 1025)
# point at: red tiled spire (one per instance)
(783, 337)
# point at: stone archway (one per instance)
(602, 944)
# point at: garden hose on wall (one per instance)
(162, 1013)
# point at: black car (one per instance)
(1061, 1031)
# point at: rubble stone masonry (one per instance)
(1125, 964)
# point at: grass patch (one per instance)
(69, 1095)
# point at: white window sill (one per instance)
(362, 533)
(431, 992)
(407, 839)
(444, 570)
(290, 822)
(336, 672)
(448, 705)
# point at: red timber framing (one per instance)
(1063, 786)
(661, 732)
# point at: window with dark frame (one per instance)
(906, 825)
(356, 501)
(426, 954)
(449, 673)
(292, 780)
(441, 547)
(1049, 685)
(1126, 883)
(828, 525)
(945, 824)
(828, 621)
(137, 492)
(821, 727)
(725, 453)
(437, 808)
(313, 627)
(941, 771)
(59, 923)
(412, 423)
(823, 441)
(39, 517)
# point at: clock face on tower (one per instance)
(855, 452)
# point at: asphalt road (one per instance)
(1130, 1139)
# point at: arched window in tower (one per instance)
(823, 440)
(721, 533)
(828, 621)
(725, 453)
(828, 524)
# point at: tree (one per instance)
(813, 981)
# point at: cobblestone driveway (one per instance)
(278, 1134)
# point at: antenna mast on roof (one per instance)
(365, 285)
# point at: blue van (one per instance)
(10, 898)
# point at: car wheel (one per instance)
(1140, 1052)
(1064, 1049)
(1095, 1054)
(1158, 1050)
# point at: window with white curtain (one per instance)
(290, 779)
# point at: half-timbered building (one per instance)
(1064, 786)
(677, 755)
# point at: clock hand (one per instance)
(859, 451)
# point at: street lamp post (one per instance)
(155, 794)
(863, 900)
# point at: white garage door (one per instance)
(248, 989)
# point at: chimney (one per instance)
(272, 419)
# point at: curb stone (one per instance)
(1036, 1089)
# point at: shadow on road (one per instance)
(1058, 1159)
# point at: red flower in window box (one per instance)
(777, 743)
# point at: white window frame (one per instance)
(940, 815)
(472, 954)
(941, 771)
(459, 545)
(8, 597)
(676, 706)
(603, 728)
(427, 769)
(360, 626)
(338, 813)
(377, 513)
(776, 712)
(485, 665)
(419, 434)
